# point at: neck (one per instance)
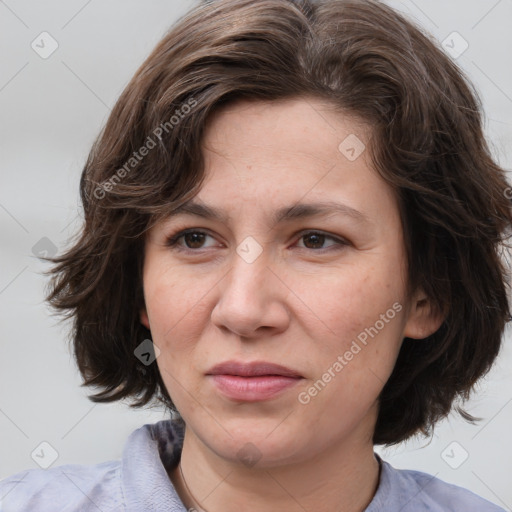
(344, 478)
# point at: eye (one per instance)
(192, 238)
(315, 240)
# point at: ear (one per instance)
(143, 316)
(424, 318)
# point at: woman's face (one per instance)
(302, 266)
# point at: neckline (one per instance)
(169, 436)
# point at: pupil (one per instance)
(318, 240)
(194, 239)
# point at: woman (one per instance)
(292, 237)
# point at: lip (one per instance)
(252, 369)
(254, 381)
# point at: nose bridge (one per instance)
(245, 283)
(249, 294)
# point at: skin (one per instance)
(300, 303)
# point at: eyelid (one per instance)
(340, 241)
(172, 240)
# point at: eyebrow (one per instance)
(284, 214)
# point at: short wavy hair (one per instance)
(364, 59)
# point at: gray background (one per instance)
(51, 111)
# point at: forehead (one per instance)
(303, 127)
(275, 154)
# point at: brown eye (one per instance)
(194, 240)
(315, 240)
(189, 240)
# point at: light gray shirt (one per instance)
(139, 483)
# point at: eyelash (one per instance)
(172, 241)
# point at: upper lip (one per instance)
(252, 369)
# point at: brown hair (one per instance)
(364, 59)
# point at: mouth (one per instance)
(253, 369)
(252, 382)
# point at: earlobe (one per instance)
(424, 318)
(144, 319)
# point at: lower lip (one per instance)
(253, 389)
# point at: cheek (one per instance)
(347, 301)
(176, 312)
(175, 301)
(355, 335)
(350, 368)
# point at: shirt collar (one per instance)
(149, 452)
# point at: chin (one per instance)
(259, 443)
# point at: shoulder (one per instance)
(415, 491)
(69, 487)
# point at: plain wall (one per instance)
(51, 111)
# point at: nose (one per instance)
(251, 300)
